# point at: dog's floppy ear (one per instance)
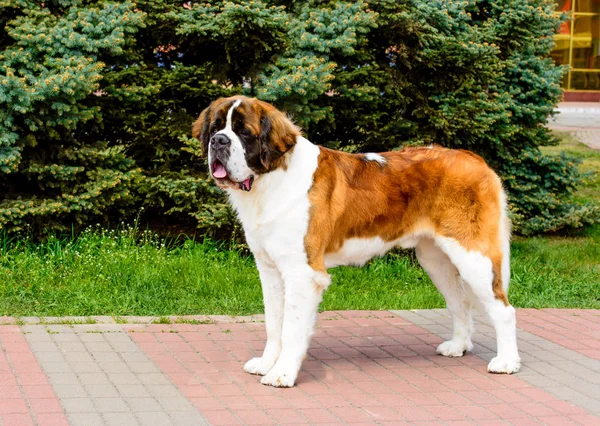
(200, 129)
(277, 135)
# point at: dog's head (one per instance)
(243, 138)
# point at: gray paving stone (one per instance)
(124, 346)
(110, 405)
(163, 391)
(62, 378)
(109, 374)
(57, 367)
(102, 391)
(78, 357)
(124, 379)
(93, 379)
(143, 404)
(65, 337)
(71, 346)
(85, 419)
(77, 405)
(154, 419)
(133, 391)
(85, 367)
(98, 346)
(42, 346)
(120, 419)
(188, 419)
(51, 357)
(176, 404)
(143, 367)
(154, 379)
(134, 357)
(68, 391)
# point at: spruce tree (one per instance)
(97, 97)
(52, 174)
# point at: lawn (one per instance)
(123, 273)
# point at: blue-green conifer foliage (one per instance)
(97, 98)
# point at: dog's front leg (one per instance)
(272, 288)
(303, 293)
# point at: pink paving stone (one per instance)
(476, 412)
(414, 414)
(13, 405)
(254, 417)
(11, 391)
(420, 398)
(351, 414)
(383, 414)
(220, 417)
(45, 405)
(53, 419)
(268, 402)
(206, 403)
(319, 416)
(16, 420)
(450, 398)
(535, 409)
(585, 419)
(238, 402)
(535, 394)
(564, 407)
(287, 416)
(505, 411)
(443, 412)
(555, 421)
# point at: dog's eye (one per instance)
(244, 132)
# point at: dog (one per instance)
(305, 208)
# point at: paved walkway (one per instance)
(363, 367)
(581, 119)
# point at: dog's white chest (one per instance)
(275, 214)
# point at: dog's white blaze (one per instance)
(371, 156)
(236, 166)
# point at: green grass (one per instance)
(111, 274)
(590, 163)
(119, 273)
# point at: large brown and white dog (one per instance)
(306, 208)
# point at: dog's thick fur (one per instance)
(305, 209)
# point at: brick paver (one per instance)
(369, 367)
(26, 397)
(102, 377)
(556, 349)
(363, 367)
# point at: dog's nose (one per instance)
(220, 140)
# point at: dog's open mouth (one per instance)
(219, 172)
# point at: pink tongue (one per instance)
(219, 172)
(247, 184)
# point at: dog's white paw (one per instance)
(454, 348)
(504, 365)
(280, 376)
(259, 365)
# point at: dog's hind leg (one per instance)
(273, 297)
(484, 278)
(446, 278)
